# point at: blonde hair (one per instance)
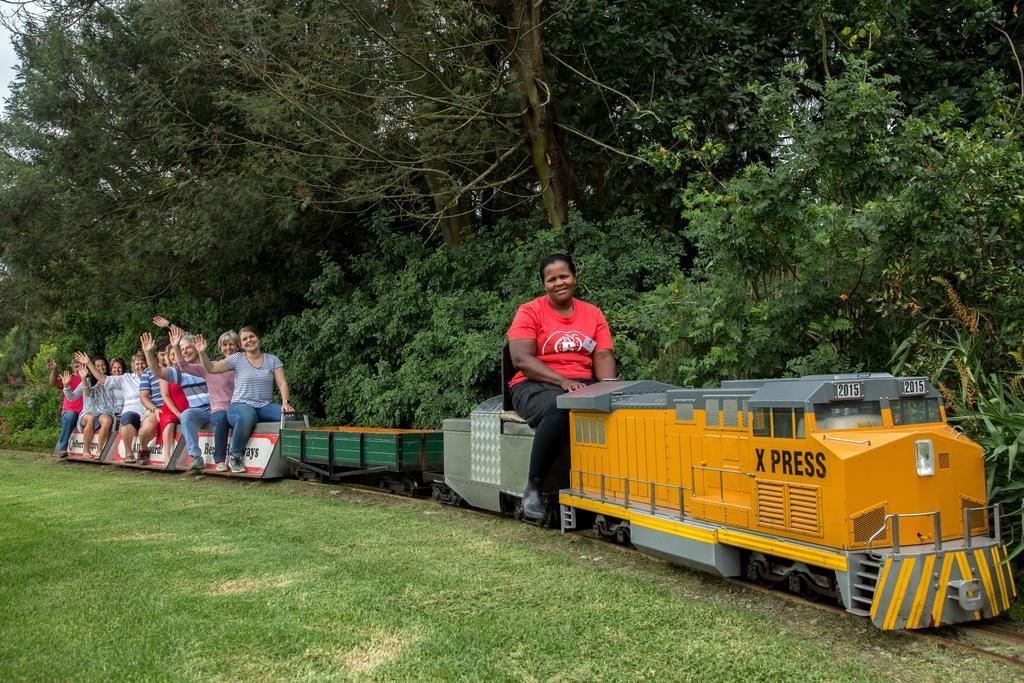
(230, 335)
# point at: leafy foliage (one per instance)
(412, 335)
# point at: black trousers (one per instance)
(535, 403)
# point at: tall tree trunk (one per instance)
(547, 143)
(454, 215)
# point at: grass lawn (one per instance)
(110, 574)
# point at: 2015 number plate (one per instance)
(847, 391)
(915, 386)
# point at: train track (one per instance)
(950, 637)
(953, 637)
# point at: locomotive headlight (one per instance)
(925, 457)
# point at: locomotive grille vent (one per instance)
(979, 518)
(712, 406)
(867, 523)
(803, 509)
(771, 507)
(684, 411)
(731, 412)
(943, 461)
(788, 506)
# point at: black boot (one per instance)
(533, 504)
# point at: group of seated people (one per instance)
(557, 343)
(175, 383)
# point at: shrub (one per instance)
(409, 334)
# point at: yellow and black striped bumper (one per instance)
(947, 587)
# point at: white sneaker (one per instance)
(222, 467)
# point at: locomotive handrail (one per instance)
(895, 517)
(997, 515)
(865, 442)
(721, 477)
(652, 487)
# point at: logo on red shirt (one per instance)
(569, 342)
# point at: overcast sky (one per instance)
(7, 61)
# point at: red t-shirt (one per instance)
(564, 344)
(75, 405)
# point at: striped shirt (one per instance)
(151, 383)
(103, 399)
(118, 392)
(193, 387)
(99, 401)
(253, 386)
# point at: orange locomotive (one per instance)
(849, 486)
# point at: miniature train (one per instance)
(848, 487)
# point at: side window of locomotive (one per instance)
(782, 423)
(912, 411)
(798, 417)
(848, 415)
(762, 422)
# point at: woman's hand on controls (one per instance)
(571, 385)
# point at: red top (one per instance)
(167, 416)
(75, 405)
(564, 344)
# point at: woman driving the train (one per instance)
(558, 344)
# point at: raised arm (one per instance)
(87, 362)
(214, 366)
(83, 373)
(149, 348)
(282, 388)
(175, 333)
(54, 379)
(65, 382)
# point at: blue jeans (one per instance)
(243, 418)
(219, 419)
(68, 421)
(194, 419)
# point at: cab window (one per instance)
(782, 423)
(912, 411)
(852, 415)
(762, 422)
